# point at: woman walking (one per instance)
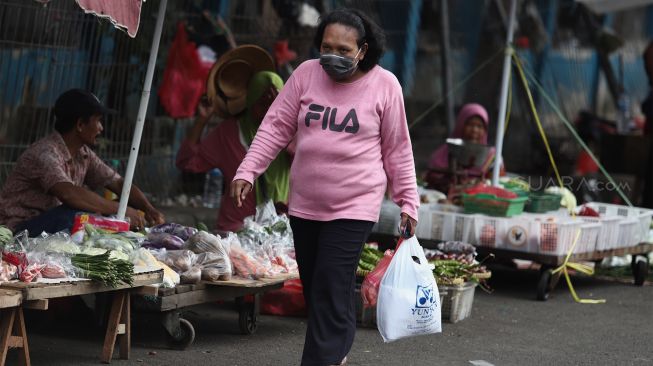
(347, 115)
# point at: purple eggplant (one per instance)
(181, 231)
(163, 240)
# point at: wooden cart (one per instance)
(171, 301)
(36, 295)
(547, 280)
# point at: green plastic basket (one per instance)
(492, 205)
(539, 202)
(517, 190)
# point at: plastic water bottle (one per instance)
(212, 189)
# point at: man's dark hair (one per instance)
(73, 105)
(368, 32)
(67, 122)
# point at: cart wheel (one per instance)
(544, 284)
(184, 338)
(640, 271)
(247, 319)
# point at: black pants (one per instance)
(51, 221)
(327, 254)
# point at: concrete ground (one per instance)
(507, 327)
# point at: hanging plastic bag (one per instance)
(409, 301)
(266, 214)
(371, 283)
(184, 78)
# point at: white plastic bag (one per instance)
(409, 301)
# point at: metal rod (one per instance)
(140, 120)
(446, 67)
(503, 105)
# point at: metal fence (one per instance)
(47, 49)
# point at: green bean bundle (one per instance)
(109, 271)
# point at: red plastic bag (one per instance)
(184, 78)
(287, 301)
(372, 282)
(97, 221)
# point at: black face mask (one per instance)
(339, 67)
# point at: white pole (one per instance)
(140, 120)
(503, 105)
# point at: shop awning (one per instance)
(123, 14)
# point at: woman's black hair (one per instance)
(368, 32)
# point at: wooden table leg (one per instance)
(6, 325)
(21, 331)
(113, 327)
(125, 319)
(13, 334)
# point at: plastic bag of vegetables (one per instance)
(180, 231)
(215, 266)
(193, 275)
(157, 240)
(179, 260)
(14, 251)
(53, 265)
(59, 242)
(266, 213)
(203, 242)
(144, 258)
(8, 272)
(111, 242)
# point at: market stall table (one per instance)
(12, 326)
(169, 302)
(119, 326)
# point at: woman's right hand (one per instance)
(239, 190)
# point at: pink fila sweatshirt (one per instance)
(352, 141)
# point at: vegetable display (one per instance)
(454, 263)
(245, 265)
(515, 183)
(491, 190)
(370, 257)
(203, 242)
(159, 240)
(182, 232)
(8, 271)
(102, 268)
(186, 254)
(454, 272)
(5, 235)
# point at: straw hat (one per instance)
(227, 82)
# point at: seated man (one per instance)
(48, 185)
